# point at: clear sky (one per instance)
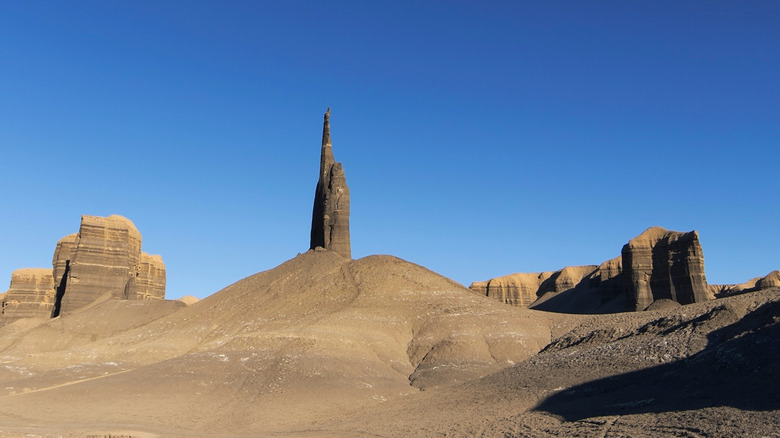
(478, 138)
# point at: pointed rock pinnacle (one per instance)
(330, 215)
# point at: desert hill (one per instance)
(708, 371)
(326, 346)
(309, 340)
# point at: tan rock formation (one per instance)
(609, 280)
(106, 255)
(753, 285)
(31, 295)
(103, 258)
(664, 264)
(565, 279)
(515, 289)
(106, 258)
(330, 215)
(771, 280)
(657, 264)
(63, 254)
(150, 278)
(189, 300)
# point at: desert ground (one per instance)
(380, 347)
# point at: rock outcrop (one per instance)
(106, 258)
(30, 295)
(103, 258)
(330, 215)
(771, 280)
(515, 289)
(662, 264)
(658, 264)
(150, 278)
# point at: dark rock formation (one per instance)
(330, 216)
(31, 295)
(658, 264)
(664, 264)
(104, 258)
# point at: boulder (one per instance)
(330, 215)
(31, 295)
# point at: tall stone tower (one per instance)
(330, 216)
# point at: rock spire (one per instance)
(330, 215)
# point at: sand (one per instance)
(323, 346)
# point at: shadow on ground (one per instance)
(740, 368)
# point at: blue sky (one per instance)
(478, 138)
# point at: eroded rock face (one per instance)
(515, 289)
(658, 264)
(150, 278)
(565, 279)
(663, 264)
(103, 258)
(31, 295)
(771, 280)
(753, 285)
(330, 215)
(104, 261)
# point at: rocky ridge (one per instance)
(768, 281)
(657, 264)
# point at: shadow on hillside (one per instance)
(581, 300)
(740, 368)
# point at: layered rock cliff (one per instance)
(103, 258)
(330, 215)
(658, 264)
(106, 255)
(515, 289)
(150, 278)
(30, 295)
(662, 264)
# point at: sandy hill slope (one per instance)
(325, 346)
(278, 352)
(703, 370)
